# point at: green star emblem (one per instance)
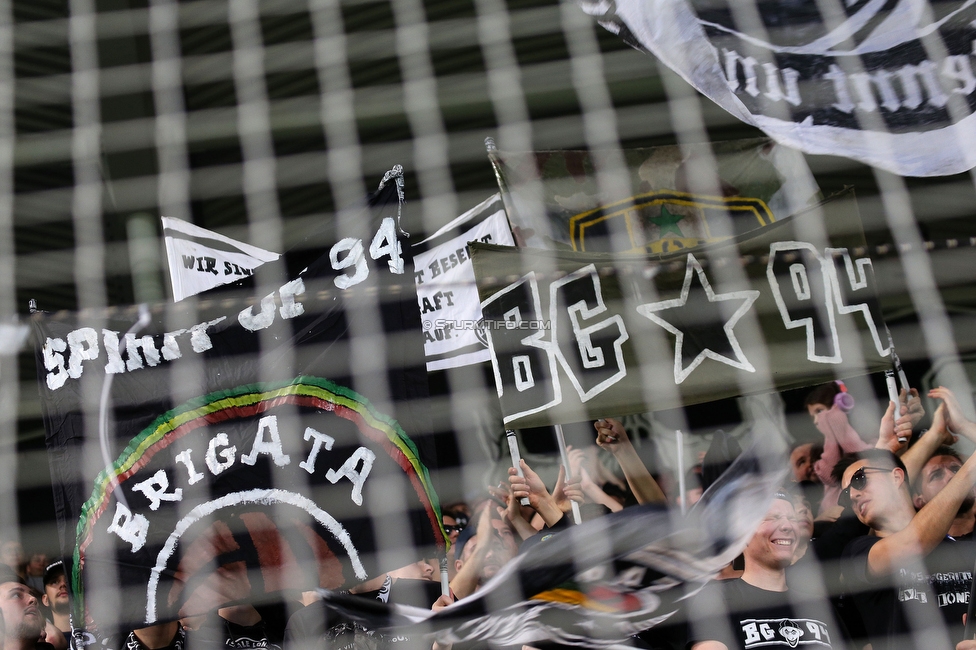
(667, 222)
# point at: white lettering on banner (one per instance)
(319, 440)
(386, 244)
(524, 380)
(199, 340)
(858, 276)
(909, 86)
(584, 337)
(580, 295)
(271, 446)
(140, 352)
(818, 293)
(143, 344)
(155, 488)
(953, 598)
(82, 345)
(133, 527)
(261, 320)
(533, 369)
(290, 308)
(184, 458)
(57, 374)
(115, 363)
(774, 90)
(228, 454)
(809, 305)
(357, 477)
(351, 250)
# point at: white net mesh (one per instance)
(262, 120)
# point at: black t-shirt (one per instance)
(132, 642)
(913, 602)
(216, 633)
(757, 618)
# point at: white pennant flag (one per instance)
(200, 259)
(446, 290)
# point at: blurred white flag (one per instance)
(888, 83)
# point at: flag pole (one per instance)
(561, 443)
(893, 396)
(679, 439)
(445, 583)
(516, 457)
(896, 361)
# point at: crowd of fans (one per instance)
(869, 545)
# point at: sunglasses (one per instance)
(858, 480)
(453, 529)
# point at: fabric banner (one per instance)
(578, 336)
(558, 199)
(236, 448)
(890, 84)
(446, 289)
(200, 259)
(598, 584)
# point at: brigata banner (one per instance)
(576, 336)
(234, 448)
(650, 200)
(449, 305)
(890, 84)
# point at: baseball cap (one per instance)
(53, 571)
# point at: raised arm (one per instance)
(894, 435)
(531, 486)
(930, 525)
(955, 421)
(466, 580)
(513, 512)
(612, 436)
(919, 453)
(577, 458)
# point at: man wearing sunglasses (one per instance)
(897, 596)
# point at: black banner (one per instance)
(225, 449)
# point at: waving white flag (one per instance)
(200, 259)
(887, 82)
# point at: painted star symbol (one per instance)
(693, 321)
(667, 222)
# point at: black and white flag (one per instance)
(887, 82)
(237, 448)
(598, 584)
(446, 290)
(200, 259)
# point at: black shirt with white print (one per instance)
(757, 618)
